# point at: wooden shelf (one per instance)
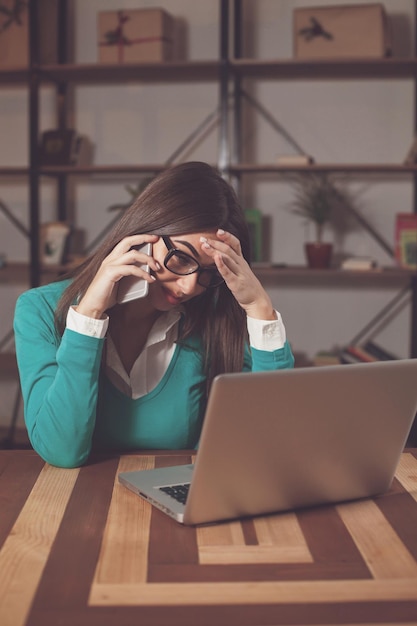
(102, 170)
(14, 76)
(14, 272)
(368, 169)
(18, 272)
(273, 69)
(293, 274)
(343, 69)
(344, 168)
(61, 270)
(90, 170)
(14, 171)
(95, 73)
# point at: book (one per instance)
(326, 358)
(347, 357)
(356, 354)
(358, 264)
(365, 353)
(379, 353)
(362, 354)
(295, 159)
(406, 240)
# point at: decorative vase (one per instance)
(319, 255)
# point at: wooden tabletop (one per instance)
(78, 549)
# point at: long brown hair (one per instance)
(187, 198)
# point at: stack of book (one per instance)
(291, 160)
(365, 353)
(357, 264)
(406, 240)
(323, 357)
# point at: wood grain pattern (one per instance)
(279, 540)
(300, 592)
(124, 551)
(78, 548)
(385, 554)
(17, 480)
(407, 474)
(26, 549)
(69, 571)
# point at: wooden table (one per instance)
(78, 549)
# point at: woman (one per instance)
(136, 375)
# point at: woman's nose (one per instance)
(188, 284)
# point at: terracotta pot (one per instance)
(319, 255)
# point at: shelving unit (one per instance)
(227, 72)
(61, 76)
(323, 70)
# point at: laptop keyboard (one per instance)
(178, 492)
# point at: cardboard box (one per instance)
(132, 36)
(14, 33)
(345, 31)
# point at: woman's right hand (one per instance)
(123, 260)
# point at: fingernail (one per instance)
(158, 267)
(203, 239)
(220, 231)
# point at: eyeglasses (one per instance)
(182, 264)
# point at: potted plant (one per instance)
(318, 198)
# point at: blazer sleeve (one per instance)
(59, 380)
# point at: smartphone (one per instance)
(132, 287)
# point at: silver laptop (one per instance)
(277, 441)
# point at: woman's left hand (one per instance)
(242, 282)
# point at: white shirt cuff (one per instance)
(266, 335)
(86, 325)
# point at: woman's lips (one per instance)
(172, 299)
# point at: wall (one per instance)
(337, 122)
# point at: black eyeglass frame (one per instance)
(172, 251)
